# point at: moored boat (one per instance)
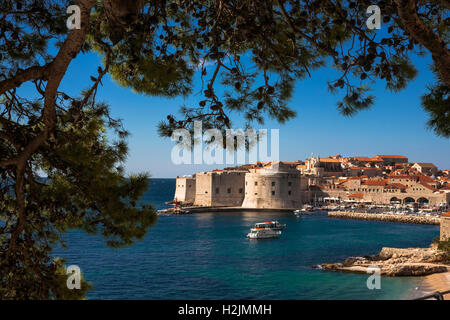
(263, 233)
(274, 225)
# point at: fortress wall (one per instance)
(228, 188)
(274, 190)
(203, 188)
(222, 188)
(185, 189)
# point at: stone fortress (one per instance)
(383, 179)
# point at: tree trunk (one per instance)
(426, 37)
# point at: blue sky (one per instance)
(396, 124)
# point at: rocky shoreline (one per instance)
(397, 262)
(384, 217)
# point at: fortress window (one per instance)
(289, 192)
(289, 183)
(273, 184)
(241, 190)
(217, 190)
(229, 190)
(256, 183)
(256, 193)
(273, 193)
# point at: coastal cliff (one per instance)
(398, 262)
(384, 217)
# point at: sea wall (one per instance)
(445, 228)
(384, 217)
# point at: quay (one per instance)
(216, 209)
(385, 217)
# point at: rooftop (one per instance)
(329, 160)
(391, 156)
(362, 158)
(425, 164)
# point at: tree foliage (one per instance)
(258, 49)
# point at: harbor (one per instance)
(206, 255)
(209, 249)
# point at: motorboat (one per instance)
(274, 225)
(263, 233)
(307, 209)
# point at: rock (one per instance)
(397, 262)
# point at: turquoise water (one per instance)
(207, 256)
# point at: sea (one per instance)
(208, 256)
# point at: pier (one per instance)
(385, 217)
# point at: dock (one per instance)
(385, 217)
(235, 209)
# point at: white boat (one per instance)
(263, 233)
(274, 225)
(302, 211)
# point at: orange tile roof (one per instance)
(362, 158)
(392, 157)
(425, 165)
(356, 195)
(447, 214)
(395, 186)
(426, 179)
(426, 185)
(329, 160)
